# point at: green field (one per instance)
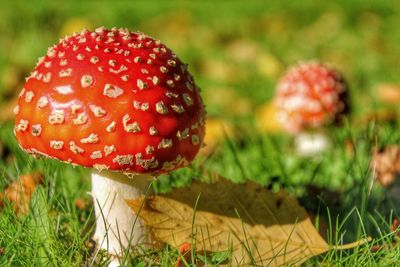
(236, 50)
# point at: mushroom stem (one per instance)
(312, 144)
(117, 227)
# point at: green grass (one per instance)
(359, 37)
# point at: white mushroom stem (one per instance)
(311, 144)
(117, 227)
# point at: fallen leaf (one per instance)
(217, 130)
(388, 93)
(19, 192)
(75, 24)
(385, 164)
(7, 113)
(266, 118)
(393, 228)
(258, 226)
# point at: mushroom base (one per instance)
(117, 227)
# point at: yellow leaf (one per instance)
(258, 226)
(266, 118)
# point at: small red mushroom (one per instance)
(310, 95)
(116, 101)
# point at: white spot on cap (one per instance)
(101, 167)
(163, 69)
(65, 73)
(112, 91)
(96, 155)
(75, 108)
(182, 134)
(42, 102)
(64, 89)
(153, 130)
(189, 86)
(63, 62)
(171, 62)
(149, 149)
(28, 96)
(109, 149)
(155, 80)
(58, 145)
(177, 77)
(165, 143)
(47, 77)
(123, 159)
(94, 59)
(178, 108)
(161, 108)
(97, 111)
(51, 52)
(141, 84)
(16, 109)
(74, 148)
(121, 69)
(86, 81)
(112, 62)
(111, 127)
(171, 83)
(80, 119)
(56, 116)
(22, 125)
(188, 100)
(91, 139)
(130, 127)
(36, 129)
(171, 94)
(80, 56)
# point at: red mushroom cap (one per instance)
(111, 99)
(310, 95)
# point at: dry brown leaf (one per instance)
(19, 192)
(386, 164)
(273, 228)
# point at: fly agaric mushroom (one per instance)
(120, 102)
(310, 95)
